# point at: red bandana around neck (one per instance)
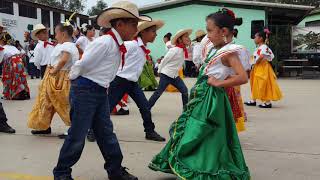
(122, 47)
(46, 43)
(186, 54)
(145, 50)
(1, 48)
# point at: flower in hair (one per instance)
(229, 12)
(68, 23)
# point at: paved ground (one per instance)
(281, 143)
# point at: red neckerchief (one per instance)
(1, 48)
(186, 54)
(122, 47)
(46, 43)
(145, 50)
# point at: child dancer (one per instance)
(14, 76)
(91, 77)
(170, 66)
(54, 90)
(204, 142)
(263, 81)
(43, 49)
(127, 77)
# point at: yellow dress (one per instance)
(53, 97)
(171, 88)
(263, 83)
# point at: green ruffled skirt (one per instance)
(204, 143)
(147, 80)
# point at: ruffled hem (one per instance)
(173, 166)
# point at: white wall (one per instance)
(22, 23)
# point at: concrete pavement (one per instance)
(280, 143)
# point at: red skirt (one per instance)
(14, 79)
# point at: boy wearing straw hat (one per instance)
(197, 48)
(170, 65)
(127, 77)
(89, 102)
(42, 53)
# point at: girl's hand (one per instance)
(212, 81)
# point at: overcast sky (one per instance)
(140, 3)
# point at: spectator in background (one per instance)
(34, 71)
(197, 50)
(167, 41)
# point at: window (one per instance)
(45, 17)
(27, 11)
(6, 7)
(256, 26)
(313, 23)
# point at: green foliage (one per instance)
(100, 6)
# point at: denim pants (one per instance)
(119, 86)
(164, 82)
(89, 106)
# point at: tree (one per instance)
(69, 5)
(75, 5)
(100, 6)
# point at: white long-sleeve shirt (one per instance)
(42, 54)
(197, 54)
(135, 59)
(100, 61)
(172, 62)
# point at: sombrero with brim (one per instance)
(37, 28)
(147, 24)
(179, 34)
(200, 33)
(122, 9)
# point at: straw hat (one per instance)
(36, 29)
(179, 34)
(121, 9)
(3, 27)
(146, 24)
(200, 33)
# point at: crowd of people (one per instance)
(85, 78)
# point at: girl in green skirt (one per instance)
(204, 142)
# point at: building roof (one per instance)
(230, 2)
(46, 7)
(277, 13)
(315, 11)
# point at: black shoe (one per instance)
(63, 136)
(124, 175)
(5, 128)
(36, 132)
(122, 112)
(154, 136)
(266, 106)
(90, 136)
(65, 177)
(250, 103)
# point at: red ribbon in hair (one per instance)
(229, 12)
(186, 54)
(46, 43)
(122, 47)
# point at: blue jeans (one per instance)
(164, 82)
(89, 106)
(119, 86)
